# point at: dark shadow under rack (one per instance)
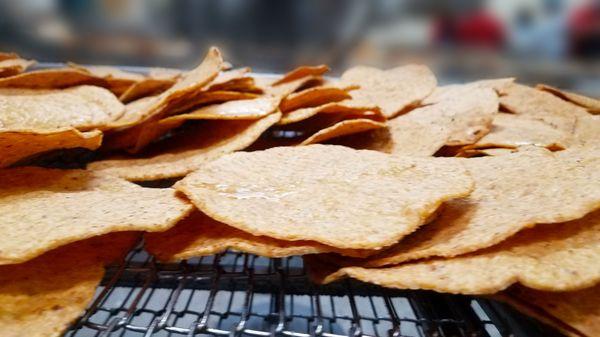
(235, 294)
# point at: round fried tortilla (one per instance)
(512, 192)
(51, 79)
(18, 145)
(392, 90)
(455, 120)
(200, 235)
(57, 207)
(83, 107)
(591, 104)
(296, 193)
(43, 296)
(511, 131)
(578, 310)
(553, 257)
(188, 150)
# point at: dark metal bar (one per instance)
(355, 329)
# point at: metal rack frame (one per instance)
(236, 294)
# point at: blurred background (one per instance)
(551, 41)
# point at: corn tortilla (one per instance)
(157, 81)
(304, 184)
(511, 131)
(343, 107)
(233, 80)
(117, 80)
(578, 310)
(591, 104)
(460, 120)
(51, 79)
(541, 105)
(14, 66)
(239, 109)
(18, 145)
(512, 193)
(83, 107)
(313, 97)
(83, 204)
(187, 151)
(392, 90)
(553, 257)
(343, 128)
(200, 235)
(186, 86)
(453, 90)
(152, 129)
(43, 296)
(302, 72)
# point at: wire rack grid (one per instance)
(236, 294)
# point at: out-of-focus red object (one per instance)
(584, 30)
(478, 29)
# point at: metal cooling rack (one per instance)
(235, 294)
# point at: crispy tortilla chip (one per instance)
(18, 145)
(560, 114)
(195, 79)
(313, 97)
(329, 123)
(512, 192)
(51, 79)
(239, 109)
(62, 206)
(343, 128)
(234, 80)
(541, 105)
(145, 88)
(42, 297)
(554, 257)
(591, 104)
(187, 86)
(150, 130)
(302, 72)
(285, 89)
(126, 137)
(343, 107)
(115, 137)
(165, 73)
(385, 197)
(204, 98)
(8, 56)
(117, 80)
(14, 66)
(157, 81)
(587, 131)
(392, 90)
(200, 235)
(133, 112)
(536, 313)
(188, 150)
(511, 131)
(83, 107)
(423, 131)
(449, 91)
(576, 312)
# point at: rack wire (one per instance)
(236, 294)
